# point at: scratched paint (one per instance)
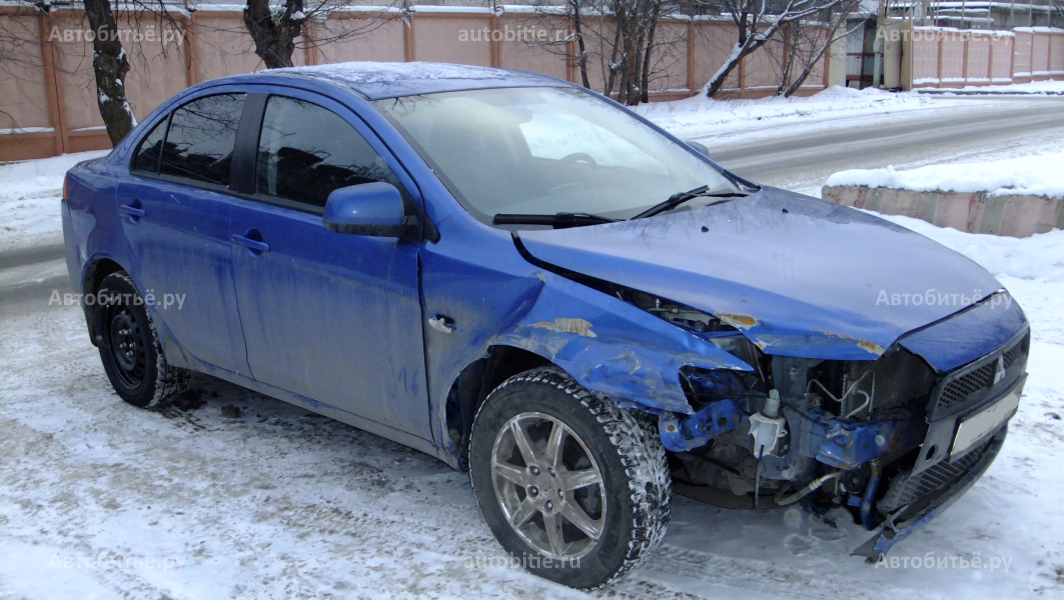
(562, 325)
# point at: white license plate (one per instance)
(974, 428)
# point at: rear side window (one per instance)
(199, 144)
(147, 156)
(306, 152)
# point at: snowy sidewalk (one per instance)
(1043, 88)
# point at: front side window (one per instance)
(549, 150)
(147, 155)
(200, 141)
(306, 152)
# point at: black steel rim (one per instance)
(128, 346)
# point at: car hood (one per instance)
(797, 275)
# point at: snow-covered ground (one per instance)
(1036, 175)
(1033, 87)
(198, 500)
(699, 117)
(30, 192)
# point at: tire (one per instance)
(621, 496)
(129, 346)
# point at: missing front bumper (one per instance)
(905, 520)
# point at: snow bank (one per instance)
(1039, 257)
(1034, 87)
(36, 178)
(29, 196)
(1031, 175)
(699, 116)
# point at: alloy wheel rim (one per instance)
(549, 486)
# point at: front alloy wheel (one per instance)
(577, 490)
(548, 485)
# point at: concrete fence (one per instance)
(951, 58)
(1014, 215)
(48, 97)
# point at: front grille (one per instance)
(975, 383)
(907, 489)
(1016, 352)
(969, 384)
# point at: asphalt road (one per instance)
(805, 160)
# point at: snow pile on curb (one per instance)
(700, 116)
(39, 178)
(1039, 175)
(29, 196)
(1034, 87)
(1038, 258)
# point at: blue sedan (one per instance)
(532, 283)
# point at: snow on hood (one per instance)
(799, 276)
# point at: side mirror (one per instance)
(702, 149)
(371, 209)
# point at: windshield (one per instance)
(548, 150)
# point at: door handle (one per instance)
(254, 246)
(132, 210)
(442, 323)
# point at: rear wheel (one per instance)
(129, 346)
(575, 489)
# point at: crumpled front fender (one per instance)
(611, 346)
(499, 299)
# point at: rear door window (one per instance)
(147, 156)
(200, 141)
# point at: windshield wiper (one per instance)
(558, 220)
(681, 197)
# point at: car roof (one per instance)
(376, 80)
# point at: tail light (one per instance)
(66, 182)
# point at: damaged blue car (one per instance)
(536, 285)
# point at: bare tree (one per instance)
(758, 22)
(110, 65)
(276, 31)
(620, 39)
(806, 42)
(109, 22)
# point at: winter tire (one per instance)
(129, 346)
(577, 490)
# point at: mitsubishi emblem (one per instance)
(999, 371)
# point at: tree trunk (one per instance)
(580, 45)
(275, 39)
(790, 51)
(644, 79)
(830, 38)
(738, 53)
(110, 65)
(615, 59)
